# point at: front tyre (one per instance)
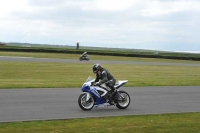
(124, 102)
(85, 105)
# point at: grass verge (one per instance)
(159, 123)
(61, 75)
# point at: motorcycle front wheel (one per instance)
(124, 102)
(85, 105)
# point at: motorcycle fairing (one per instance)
(93, 91)
(120, 83)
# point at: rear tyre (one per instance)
(85, 105)
(123, 103)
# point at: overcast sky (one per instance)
(140, 24)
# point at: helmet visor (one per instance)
(94, 70)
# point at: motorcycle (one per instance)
(97, 96)
(84, 56)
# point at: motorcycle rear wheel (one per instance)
(123, 104)
(85, 105)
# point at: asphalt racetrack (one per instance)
(62, 103)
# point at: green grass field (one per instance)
(64, 75)
(159, 123)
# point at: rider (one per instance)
(106, 77)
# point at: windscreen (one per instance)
(89, 79)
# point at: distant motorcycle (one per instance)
(84, 56)
(96, 96)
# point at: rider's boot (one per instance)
(110, 98)
(116, 95)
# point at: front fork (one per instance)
(88, 96)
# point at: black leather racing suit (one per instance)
(106, 78)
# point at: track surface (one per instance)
(62, 103)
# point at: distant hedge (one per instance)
(177, 56)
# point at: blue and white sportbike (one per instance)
(96, 96)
